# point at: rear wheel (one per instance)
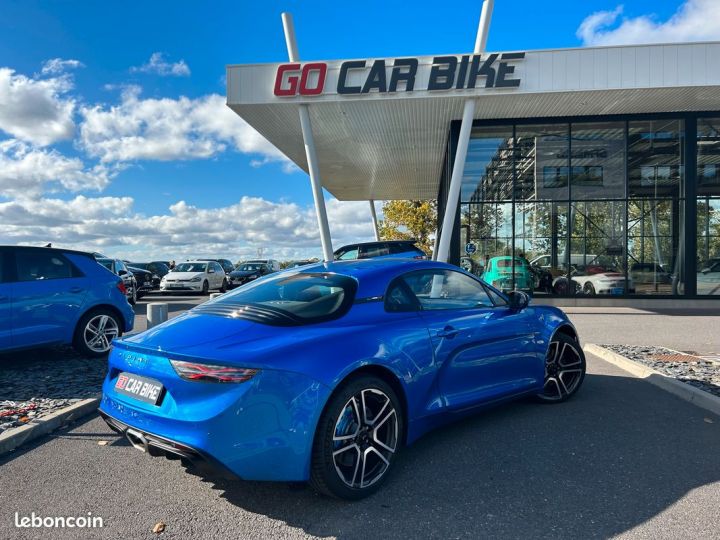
(564, 369)
(589, 289)
(357, 439)
(95, 332)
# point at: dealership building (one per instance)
(597, 164)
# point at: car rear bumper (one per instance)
(262, 429)
(155, 445)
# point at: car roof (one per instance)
(57, 250)
(373, 275)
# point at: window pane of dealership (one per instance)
(614, 189)
(600, 166)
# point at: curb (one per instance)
(9, 441)
(669, 384)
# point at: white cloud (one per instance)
(283, 230)
(168, 129)
(158, 65)
(695, 20)
(55, 66)
(27, 171)
(36, 110)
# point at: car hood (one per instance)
(183, 275)
(243, 273)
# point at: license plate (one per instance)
(141, 388)
(617, 290)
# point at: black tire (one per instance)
(589, 289)
(327, 468)
(205, 288)
(82, 339)
(223, 287)
(134, 296)
(564, 369)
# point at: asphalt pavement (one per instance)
(622, 458)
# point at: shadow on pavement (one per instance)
(613, 457)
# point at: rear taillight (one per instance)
(193, 371)
(121, 287)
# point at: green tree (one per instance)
(410, 220)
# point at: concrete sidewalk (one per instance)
(696, 330)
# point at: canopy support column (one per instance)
(310, 153)
(374, 220)
(453, 198)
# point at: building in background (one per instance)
(599, 166)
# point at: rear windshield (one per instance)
(141, 266)
(288, 300)
(507, 263)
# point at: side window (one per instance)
(399, 298)
(38, 266)
(373, 250)
(446, 289)
(349, 255)
(218, 268)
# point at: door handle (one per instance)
(76, 289)
(448, 332)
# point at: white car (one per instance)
(608, 283)
(195, 276)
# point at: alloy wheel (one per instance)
(99, 333)
(564, 370)
(365, 437)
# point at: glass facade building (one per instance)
(592, 206)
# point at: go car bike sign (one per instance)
(357, 77)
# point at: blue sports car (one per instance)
(322, 373)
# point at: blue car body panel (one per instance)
(45, 312)
(263, 429)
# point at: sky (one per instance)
(115, 137)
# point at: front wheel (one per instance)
(205, 288)
(564, 369)
(133, 296)
(357, 439)
(223, 287)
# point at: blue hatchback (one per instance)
(324, 372)
(53, 296)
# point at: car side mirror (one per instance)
(518, 300)
(122, 273)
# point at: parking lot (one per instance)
(622, 458)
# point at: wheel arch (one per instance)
(386, 375)
(96, 307)
(568, 330)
